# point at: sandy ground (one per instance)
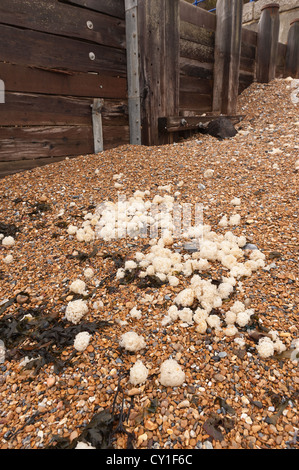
(230, 396)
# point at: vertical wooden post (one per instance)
(97, 125)
(227, 55)
(159, 43)
(292, 56)
(133, 71)
(267, 42)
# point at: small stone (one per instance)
(142, 438)
(134, 391)
(219, 378)
(222, 354)
(149, 425)
(22, 298)
(50, 381)
(73, 435)
(184, 404)
(256, 428)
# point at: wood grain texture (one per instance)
(268, 33)
(198, 16)
(193, 68)
(195, 102)
(158, 25)
(292, 51)
(31, 48)
(27, 143)
(227, 55)
(110, 7)
(197, 34)
(57, 18)
(44, 110)
(17, 166)
(19, 78)
(198, 52)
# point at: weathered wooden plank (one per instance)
(27, 143)
(196, 34)
(198, 16)
(198, 52)
(247, 65)
(58, 18)
(159, 64)
(193, 68)
(131, 8)
(248, 51)
(110, 7)
(249, 36)
(115, 136)
(32, 80)
(245, 81)
(179, 123)
(26, 47)
(44, 110)
(97, 125)
(280, 70)
(196, 85)
(292, 52)
(195, 102)
(227, 55)
(268, 33)
(115, 112)
(17, 166)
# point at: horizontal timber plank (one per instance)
(110, 7)
(53, 52)
(196, 34)
(194, 51)
(198, 16)
(17, 166)
(248, 51)
(44, 110)
(58, 18)
(33, 80)
(115, 135)
(178, 123)
(196, 85)
(193, 68)
(249, 36)
(27, 143)
(115, 113)
(195, 102)
(247, 65)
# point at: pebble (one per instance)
(50, 382)
(219, 377)
(161, 417)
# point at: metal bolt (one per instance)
(89, 24)
(92, 56)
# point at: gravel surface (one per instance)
(231, 396)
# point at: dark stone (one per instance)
(221, 128)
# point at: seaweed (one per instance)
(81, 256)
(103, 427)
(225, 406)
(41, 337)
(215, 426)
(39, 207)
(117, 258)
(8, 230)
